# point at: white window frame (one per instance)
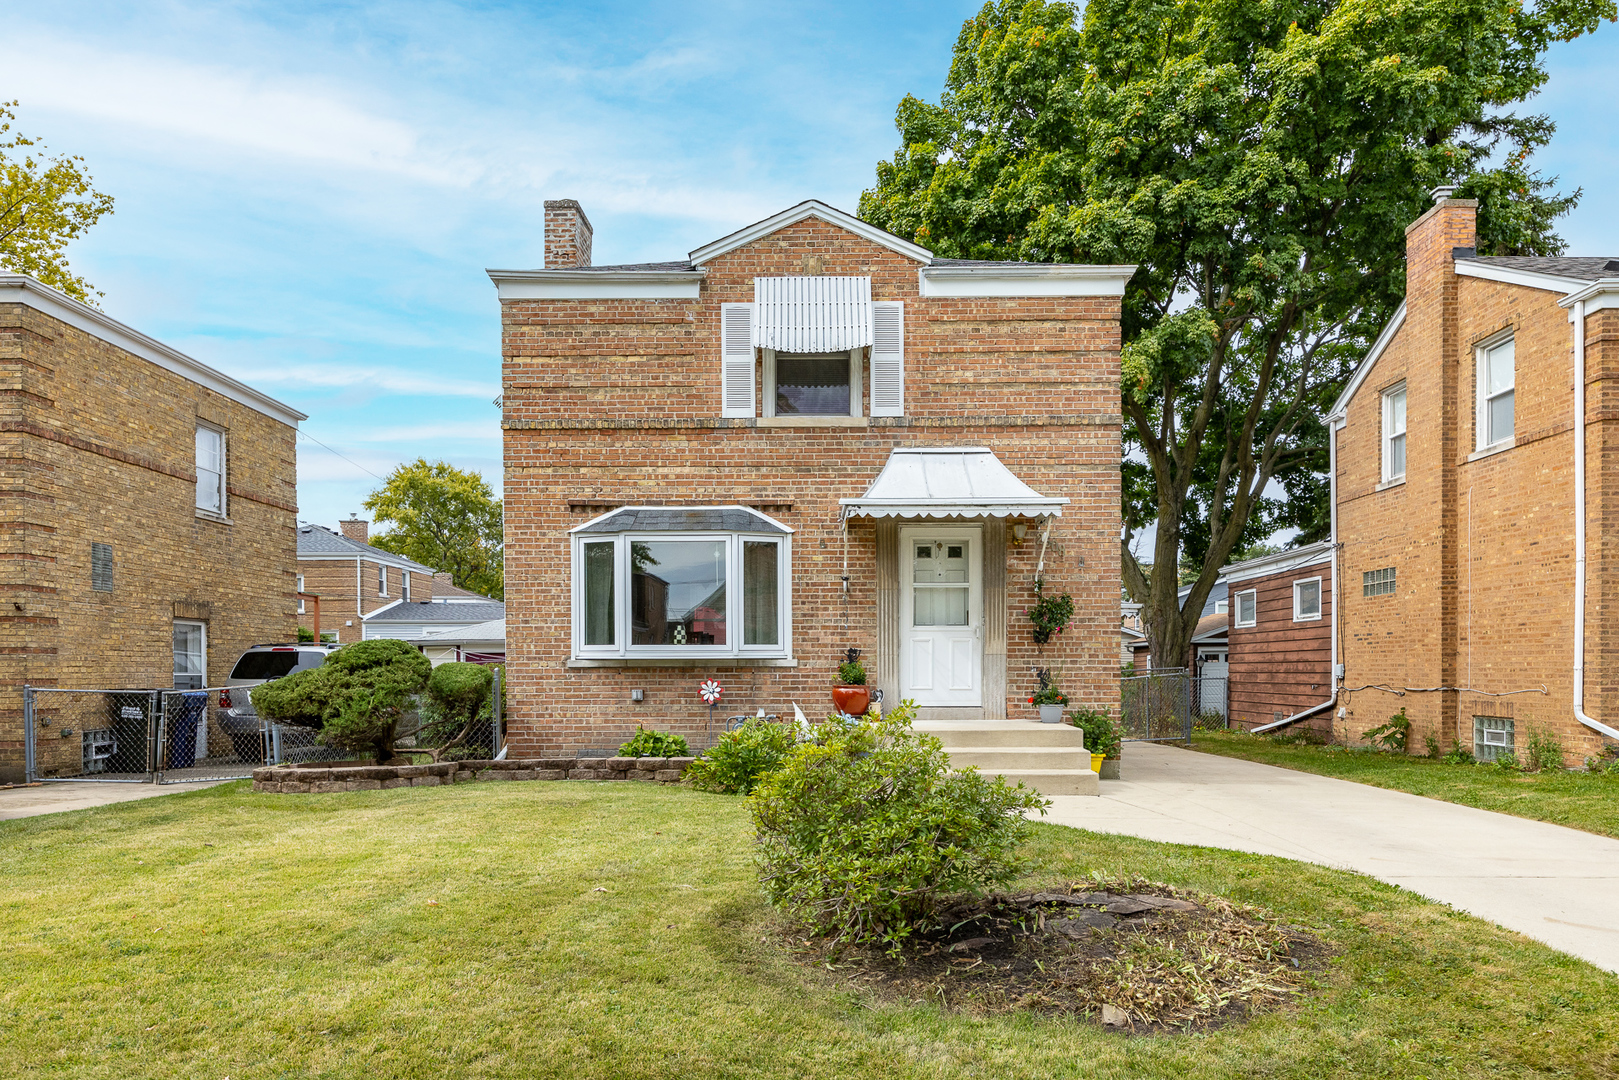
(1298, 614)
(857, 395)
(404, 585)
(224, 471)
(300, 594)
(203, 627)
(1389, 434)
(1482, 398)
(382, 579)
(698, 654)
(1253, 619)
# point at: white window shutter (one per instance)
(736, 359)
(887, 358)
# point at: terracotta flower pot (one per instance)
(851, 699)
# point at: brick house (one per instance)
(806, 436)
(1470, 586)
(1279, 642)
(150, 509)
(353, 579)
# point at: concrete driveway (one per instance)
(1556, 885)
(27, 801)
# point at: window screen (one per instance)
(1377, 582)
(100, 567)
(812, 385)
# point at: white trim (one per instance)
(1044, 279)
(1597, 296)
(223, 510)
(385, 607)
(1340, 408)
(810, 208)
(1388, 434)
(1577, 317)
(1481, 395)
(1236, 616)
(1281, 562)
(1532, 279)
(597, 284)
(789, 530)
(21, 289)
(1297, 616)
(398, 562)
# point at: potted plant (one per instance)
(1048, 698)
(850, 693)
(1102, 736)
(1050, 614)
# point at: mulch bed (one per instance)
(1134, 956)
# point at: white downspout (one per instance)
(1580, 714)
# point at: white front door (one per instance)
(941, 619)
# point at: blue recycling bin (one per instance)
(183, 730)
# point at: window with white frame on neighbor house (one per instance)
(404, 586)
(681, 594)
(300, 594)
(1497, 378)
(1247, 608)
(210, 470)
(1394, 433)
(382, 581)
(190, 654)
(1306, 599)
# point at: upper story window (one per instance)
(210, 470)
(1497, 376)
(812, 384)
(1394, 433)
(382, 581)
(1247, 608)
(300, 594)
(404, 585)
(695, 583)
(1306, 599)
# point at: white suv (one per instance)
(257, 666)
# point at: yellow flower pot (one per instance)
(1096, 763)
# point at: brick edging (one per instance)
(307, 780)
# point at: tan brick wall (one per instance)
(618, 401)
(1484, 548)
(99, 445)
(333, 581)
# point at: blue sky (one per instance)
(308, 194)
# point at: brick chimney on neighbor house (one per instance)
(567, 235)
(356, 529)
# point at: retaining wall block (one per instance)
(621, 764)
(550, 774)
(426, 781)
(668, 776)
(396, 782)
(414, 771)
(651, 764)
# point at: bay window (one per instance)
(718, 585)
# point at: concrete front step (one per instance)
(997, 758)
(1053, 782)
(1050, 758)
(1005, 733)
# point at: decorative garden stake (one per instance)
(710, 691)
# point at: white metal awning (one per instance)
(954, 481)
(811, 314)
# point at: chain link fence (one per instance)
(1157, 706)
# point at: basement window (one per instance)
(1377, 582)
(1492, 737)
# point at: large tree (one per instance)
(44, 203)
(444, 517)
(1259, 161)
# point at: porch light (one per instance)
(1020, 529)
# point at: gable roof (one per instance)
(809, 208)
(319, 542)
(425, 611)
(1340, 408)
(1554, 273)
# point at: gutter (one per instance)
(1578, 318)
(1311, 711)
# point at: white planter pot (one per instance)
(1051, 714)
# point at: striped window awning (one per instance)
(817, 314)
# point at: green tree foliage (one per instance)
(45, 202)
(1259, 162)
(459, 695)
(445, 518)
(356, 698)
(865, 829)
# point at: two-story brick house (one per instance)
(807, 436)
(353, 580)
(1476, 499)
(146, 519)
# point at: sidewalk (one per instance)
(48, 798)
(1553, 884)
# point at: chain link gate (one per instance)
(135, 736)
(1157, 706)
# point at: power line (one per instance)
(350, 460)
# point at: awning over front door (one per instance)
(945, 482)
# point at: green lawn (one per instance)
(614, 930)
(1580, 800)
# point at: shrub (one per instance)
(865, 829)
(1543, 751)
(741, 757)
(654, 744)
(1506, 761)
(1210, 720)
(852, 673)
(1102, 733)
(1392, 735)
(1050, 614)
(1605, 761)
(356, 698)
(1457, 755)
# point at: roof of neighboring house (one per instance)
(1279, 563)
(425, 611)
(319, 542)
(445, 590)
(493, 630)
(1211, 628)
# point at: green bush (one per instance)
(852, 673)
(864, 830)
(1102, 733)
(654, 744)
(1393, 735)
(1458, 755)
(741, 757)
(356, 698)
(1543, 751)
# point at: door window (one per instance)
(190, 655)
(939, 592)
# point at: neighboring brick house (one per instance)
(353, 579)
(807, 436)
(149, 514)
(1479, 593)
(1279, 645)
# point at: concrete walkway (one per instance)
(1556, 885)
(20, 802)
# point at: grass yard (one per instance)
(1580, 800)
(614, 930)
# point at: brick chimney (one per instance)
(567, 235)
(355, 529)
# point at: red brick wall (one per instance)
(618, 401)
(1279, 665)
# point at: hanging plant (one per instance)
(1050, 614)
